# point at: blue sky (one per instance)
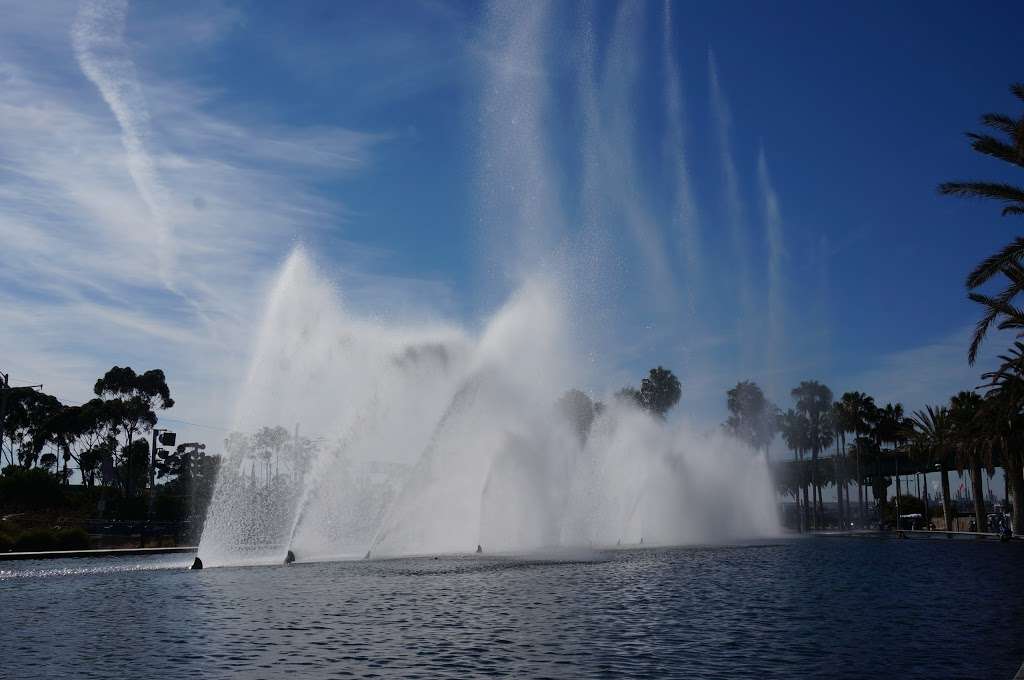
(736, 190)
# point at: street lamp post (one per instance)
(167, 438)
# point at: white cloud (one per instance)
(927, 374)
(139, 225)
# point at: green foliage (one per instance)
(658, 392)
(74, 538)
(35, 540)
(40, 540)
(1008, 147)
(753, 418)
(29, 489)
(27, 411)
(579, 411)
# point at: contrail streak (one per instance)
(97, 37)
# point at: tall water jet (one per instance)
(439, 440)
(373, 437)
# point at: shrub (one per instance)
(33, 489)
(72, 539)
(35, 540)
(5, 542)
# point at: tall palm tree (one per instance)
(965, 412)
(1003, 426)
(795, 431)
(814, 402)
(857, 415)
(839, 439)
(1009, 148)
(891, 428)
(933, 434)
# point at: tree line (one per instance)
(967, 434)
(103, 440)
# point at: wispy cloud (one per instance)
(142, 226)
(926, 374)
(98, 40)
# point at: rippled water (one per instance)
(828, 608)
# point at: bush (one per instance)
(72, 539)
(35, 540)
(5, 542)
(33, 489)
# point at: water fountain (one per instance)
(444, 438)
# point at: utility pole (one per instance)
(165, 437)
(4, 387)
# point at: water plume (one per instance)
(397, 438)
(437, 439)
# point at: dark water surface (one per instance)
(812, 608)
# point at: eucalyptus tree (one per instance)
(814, 402)
(24, 420)
(131, 402)
(934, 437)
(1005, 144)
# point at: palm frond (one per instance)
(1011, 254)
(989, 145)
(1018, 90)
(997, 191)
(1001, 122)
(981, 328)
(996, 148)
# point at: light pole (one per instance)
(167, 438)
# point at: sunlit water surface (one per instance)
(814, 608)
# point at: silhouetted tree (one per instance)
(753, 418)
(131, 403)
(579, 411)
(1009, 149)
(933, 439)
(660, 391)
(795, 429)
(814, 402)
(26, 415)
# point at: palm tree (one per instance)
(838, 417)
(1003, 419)
(753, 419)
(965, 412)
(857, 415)
(814, 402)
(933, 434)
(1009, 149)
(891, 428)
(795, 431)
